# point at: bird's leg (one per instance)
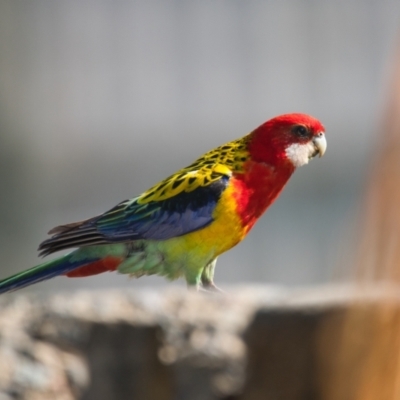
(207, 277)
(193, 279)
(202, 281)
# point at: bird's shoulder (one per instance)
(207, 170)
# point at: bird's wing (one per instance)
(178, 205)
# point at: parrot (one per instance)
(180, 226)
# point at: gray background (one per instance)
(101, 99)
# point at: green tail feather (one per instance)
(41, 272)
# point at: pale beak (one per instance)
(319, 142)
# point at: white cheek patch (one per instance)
(300, 154)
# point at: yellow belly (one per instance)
(189, 254)
(222, 234)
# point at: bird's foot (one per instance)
(211, 287)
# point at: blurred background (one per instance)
(99, 100)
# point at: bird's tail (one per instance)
(71, 265)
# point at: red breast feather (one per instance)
(268, 168)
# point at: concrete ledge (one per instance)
(254, 343)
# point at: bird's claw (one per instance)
(211, 287)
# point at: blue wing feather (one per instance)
(174, 216)
(160, 220)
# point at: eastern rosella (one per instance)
(181, 225)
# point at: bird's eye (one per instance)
(300, 130)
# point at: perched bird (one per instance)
(180, 226)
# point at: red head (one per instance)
(289, 139)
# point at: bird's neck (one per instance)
(256, 188)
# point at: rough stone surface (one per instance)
(253, 343)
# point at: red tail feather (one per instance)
(97, 267)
